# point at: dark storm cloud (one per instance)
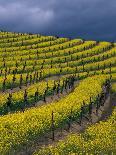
(90, 19)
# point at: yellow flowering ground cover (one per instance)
(97, 139)
(19, 128)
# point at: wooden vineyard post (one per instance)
(25, 97)
(97, 104)
(4, 85)
(37, 76)
(58, 88)
(87, 73)
(72, 81)
(102, 98)
(4, 64)
(40, 75)
(36, 95)
(30, 79)
(66, 85)
(47, 86)
(16, 64)
(65, 59)
(77, 57)
(62, 88)
(44, 96)
(60, 70)
(9, 102)
(52, 126)
(90, 109)
(98, 67)
(5, 74)
(21, 79)
(110, 86)
(54, 88)
(27, 77)
(13, 81)
(70, 120)
(81, 114)
(51, 66)
(83, 66)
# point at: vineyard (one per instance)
(57, 95)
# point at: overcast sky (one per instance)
(89, 19)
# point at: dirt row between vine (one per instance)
(49, 98)
(103, 113)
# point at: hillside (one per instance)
(54, 89)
